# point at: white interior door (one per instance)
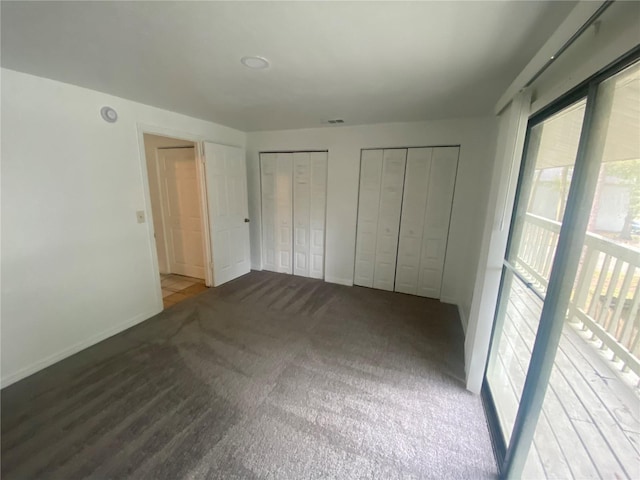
(268, 178)
(318, 208)
(368, 207)
(301, 213)
(181, 211)
(444, 166)
(393, 166)
(226, 174)
(414, 204)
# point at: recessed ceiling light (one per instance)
(257, 63)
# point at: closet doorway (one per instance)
(404, 209)
(178, 216)
(294, 195)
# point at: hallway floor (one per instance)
(176, 288)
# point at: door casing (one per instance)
(206, 238)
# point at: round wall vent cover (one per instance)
(109, 114)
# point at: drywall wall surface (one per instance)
(616, 32)
(151, 145)
(509, 147)
(77, 267)
(477, 139)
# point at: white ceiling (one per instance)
(365, 62)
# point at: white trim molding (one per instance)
(340, 281)
(78, 347)
(463, 319)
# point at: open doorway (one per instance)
(178, 215)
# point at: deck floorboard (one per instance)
(589, 426)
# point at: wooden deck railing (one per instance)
(606, 295)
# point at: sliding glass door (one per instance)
(561, 383)
(531, 250)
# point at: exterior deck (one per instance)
(590, 423)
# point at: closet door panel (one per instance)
(301, 213)
(318, 162)
(284, 212)
(367, 226)
(444, 165)
(393, 169)
(268, 186)
(412, 222)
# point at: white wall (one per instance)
(510, 143)
(76, 266)
(151, 145)
(477, 138)
(615, 33)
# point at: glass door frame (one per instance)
(511, 457)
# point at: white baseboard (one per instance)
(67, 352)
(257, 268)
(463, 319)
(339, 281)
(450, 300)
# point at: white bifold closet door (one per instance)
(403, 218)
(424, 227)
(277, 211)
(309, 200)
(379, 206)
(412, 222)
(442, 181)
(367, 226)
(294, 187)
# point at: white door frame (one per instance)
(206, 240)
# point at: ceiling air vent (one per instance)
(337, 120)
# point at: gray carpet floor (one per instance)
(268, 377)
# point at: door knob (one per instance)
(246, 220)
